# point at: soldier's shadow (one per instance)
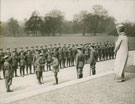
(130, 70)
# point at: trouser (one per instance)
(79, 72)
(14, 70)
(72, 61)
(28, 67)
(92, 69)
(48, 66)
(8, 82)
(64, 61)
(60, 63)
(22, 70)
(69, 62)
(56, 77)
(39, 76)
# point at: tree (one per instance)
(53, 21)
(34, 24)
(13, 26)
(99, 14)
(81, 20)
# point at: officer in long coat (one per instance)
(8, 73)
(93, 59)
(39, 67)
(55, 66)
(80, 61)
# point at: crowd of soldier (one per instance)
(41, 59)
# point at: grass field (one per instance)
(12, 42)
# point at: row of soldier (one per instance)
(25, 59)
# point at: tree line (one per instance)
(54, 23)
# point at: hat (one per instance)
(6, 56)
(79, 47)
(41, 54)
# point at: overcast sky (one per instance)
(122, 10)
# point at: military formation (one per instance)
(36, 60)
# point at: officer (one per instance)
(80, 61)
(39, 68)
(100, 52)
(15, 60)
(93, 59)
(8, 74)
(29, 59)
(86, 54)
(22, 63)
(55, 65)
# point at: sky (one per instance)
(121, 10)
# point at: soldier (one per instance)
(49, 59)
(64, 56)
(39, 67)
(100, 52)
(60, 57)
(86, 54)
(35, 57)
(8, 52)
(2, 63)
(29, 59)
(22, 64)
(73, 54)
(93, 59)
(55, 65)
(15, 60)
(69, 57)
(80, 61)
(8, 74)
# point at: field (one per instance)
(12, 42)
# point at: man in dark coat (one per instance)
(80, 61)
(8, 74)
(93, 59)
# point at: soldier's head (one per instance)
(79, 49)
(6, 57)
(8, 50)
(41, 54)
(26, 48)
(1, 50)
(13, 53)
(92, 47)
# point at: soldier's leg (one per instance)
(30, 68)
(93, 70)
(3, 73)
(27, 67)
(56, 77)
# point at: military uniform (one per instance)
(15, 60)
(80, 61)
(64, 57)
(8, 74)
(49, 59)
(60, 57)
(29, 59)
(2, 63)
(39, 67)
(22, 64)
(93, 59)
(69, 57)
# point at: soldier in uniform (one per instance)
(69, 57)
(39, 67)
(64, 56)
(15, 60)
(8, 73)
(29, 59)
(93, 59)
(86, 54)
(35, 57)
(22, 63)
(80, 61)
(8, 52)
(2, 63)
(55, 65)
(60, 57)
(49, 59)
(73, 54)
